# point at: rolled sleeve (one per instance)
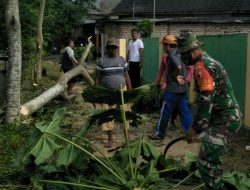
(140, 44)
(205, 104)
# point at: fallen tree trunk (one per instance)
(38, 102)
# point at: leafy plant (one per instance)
(103, 116)
(61, 19)
(54, 161)
(146, 28)
(12, 140)
(80, 50)
(238, 179)
(110, 174)
(142, 97)
(62, 162)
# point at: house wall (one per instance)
(123, 30)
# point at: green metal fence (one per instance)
(230, 50)
(150, 59)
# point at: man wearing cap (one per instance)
(175, 94)
(162, 73)
(112, 73)
(218, 115)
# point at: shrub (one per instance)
(146, 28)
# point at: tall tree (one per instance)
(64, 17)
(60, 18)
(15, 60)
(39, 43)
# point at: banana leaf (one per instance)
(45, 145)
(239, 180)
(100, 94)
(103, 116)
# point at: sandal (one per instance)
(154, 137)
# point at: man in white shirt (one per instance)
(134, 57)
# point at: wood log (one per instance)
(59, 88)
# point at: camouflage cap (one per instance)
(112, 42)
(188, 42)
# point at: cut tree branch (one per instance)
(38, 102)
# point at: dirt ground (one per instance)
(236, 159)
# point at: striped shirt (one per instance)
(112, 71)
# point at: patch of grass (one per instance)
(29, 91)
(12, 140)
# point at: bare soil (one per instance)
(77, 112)
(236, 159)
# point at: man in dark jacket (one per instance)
(175, 94)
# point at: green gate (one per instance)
(150, 59)
(231, 51)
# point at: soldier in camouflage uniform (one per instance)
(218, 115)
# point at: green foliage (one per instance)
(12, 140)
(143, 97)
(61, 18)
(103, 116)
(55, 162)
(146, 28)
(238, 179)
(28, 16)
(45, 145)
(133, 166)
(100, 94)
(12, 136)
(79, 51)
(144, 159)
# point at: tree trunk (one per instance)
(35, 104)
(14, 60)
(39, 44)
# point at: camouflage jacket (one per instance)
(216, 101)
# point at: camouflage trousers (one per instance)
(214, 145)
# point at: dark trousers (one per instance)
(134, 74)
(174, 114)
(172, 100)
